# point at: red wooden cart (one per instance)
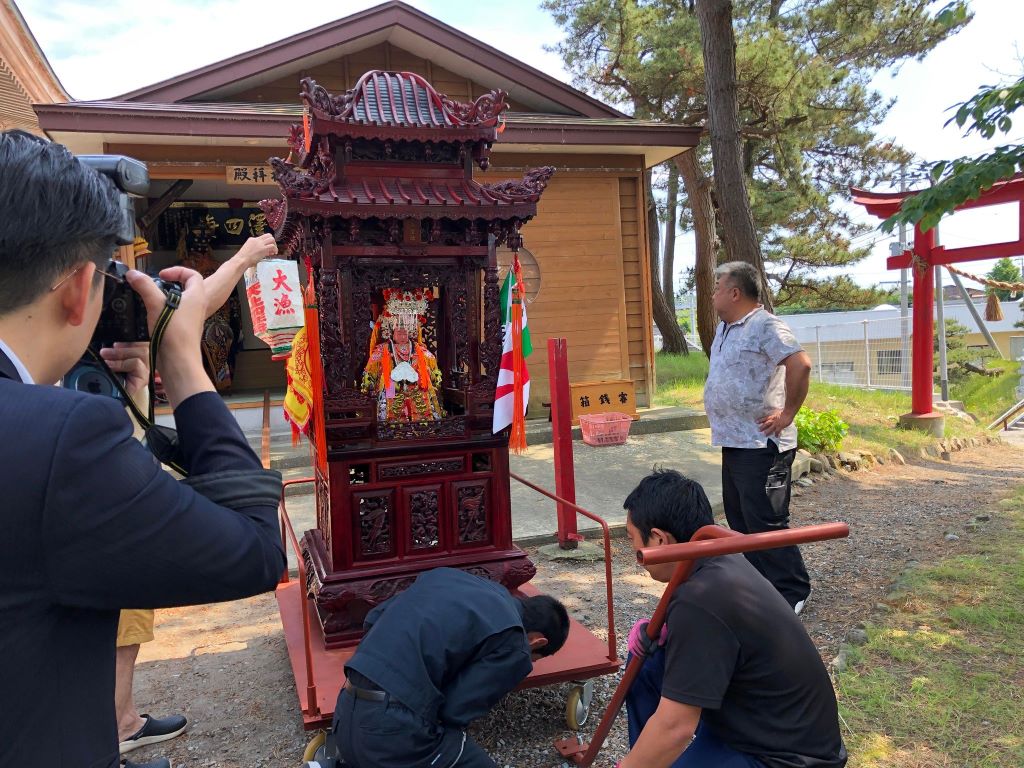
(320, 671)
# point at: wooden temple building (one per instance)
(208, 134)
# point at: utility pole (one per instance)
(940, 321)
(904, 302)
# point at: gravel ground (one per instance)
(226, 667)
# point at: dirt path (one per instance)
(226, 668)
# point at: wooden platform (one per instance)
(584, 656)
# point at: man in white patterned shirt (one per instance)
(757, 382)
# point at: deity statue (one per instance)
(401, 372)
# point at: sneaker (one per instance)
(155, 730)
(799, 607)
(161, 762)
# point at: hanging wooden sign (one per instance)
(249, 174)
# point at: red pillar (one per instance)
(924, 323)
(561, 434)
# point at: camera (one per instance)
(123, 317)
(131, 177)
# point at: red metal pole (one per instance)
(561, 433)
(923, 323)
(606, 534)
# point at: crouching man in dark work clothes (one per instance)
(434, 659)
(734, 681)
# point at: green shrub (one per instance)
(820, 431)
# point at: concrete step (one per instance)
(298, 473)
(285, 457)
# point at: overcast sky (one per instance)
(102, 49)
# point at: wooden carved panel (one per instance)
(451, 426)
(415, 468)
(472, 517)
(374, 523)
(333, 351)
(424, 518)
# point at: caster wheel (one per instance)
(314, 744)
(577, 705)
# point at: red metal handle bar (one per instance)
(284, 540)
(311, 705)
(612, 652)
(721, 541)
(709, 541)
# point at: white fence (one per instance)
(863, 353)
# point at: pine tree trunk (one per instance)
(719, 47)
(698, 190)
(668, 276)
(673, 340)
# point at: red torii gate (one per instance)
(924, 255)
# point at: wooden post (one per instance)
(561, 433)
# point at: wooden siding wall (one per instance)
(586, 241)
(341, 74)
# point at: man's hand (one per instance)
(132, 360)
(179, 356)
(640, 644)
(256, 249)
(221, 283)
(776, 421)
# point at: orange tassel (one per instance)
(317, 418)
(517, 438)
(385, 369)
(307, 138)
(373, 337)
(421, 364)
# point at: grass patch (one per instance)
(681, 379)
(988, 397)
(873, 415)
(940, 683)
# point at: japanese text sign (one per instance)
(249, 174)
(602, 397)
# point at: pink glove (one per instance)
(639, 644)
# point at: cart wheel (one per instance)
(314, 744)
(577, 705)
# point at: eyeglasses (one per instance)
(72, 273)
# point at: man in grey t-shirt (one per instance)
(757, 382)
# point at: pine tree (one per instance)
(807, 112)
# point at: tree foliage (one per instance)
(1005, 271)
(807, 111)
(835, 293)
(958, 355)
(987, 114)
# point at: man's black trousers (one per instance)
(755, 490)
(372, 734)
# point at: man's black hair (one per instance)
(667, 500)
(742, 275)
(546, 615)
(55, 214)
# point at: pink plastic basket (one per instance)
(605, 428)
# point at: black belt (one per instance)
(367, 694)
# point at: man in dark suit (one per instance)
(435, 658)
(91, 523)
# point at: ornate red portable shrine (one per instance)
(925, 255)
(400, 241)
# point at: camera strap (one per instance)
(161, 441)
